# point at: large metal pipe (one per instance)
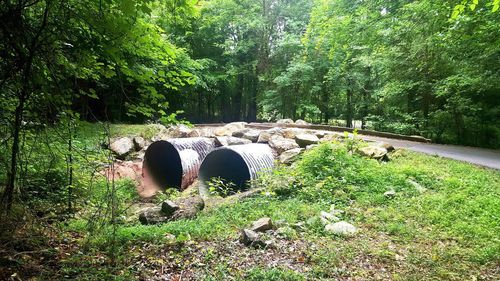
(175, 162)
(237, 164)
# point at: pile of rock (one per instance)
(333, 224)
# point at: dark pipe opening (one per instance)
(226, 164)
(164, 164)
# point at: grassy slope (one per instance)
(450, 231)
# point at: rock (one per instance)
(121, 146)
(152, 131)
(225, 141)
(249, 237)
(240, 132)
(152, 216)
(341, 228)
(281, 144)
(387, 146)
(321, 134)
(266, 135)
(186, 208)
(139, 143)
(327, 218)
(285, 121)
(207, 132)
(332, 137)
(390, 193)
(304, 140)
(373, 151)
(311, 146)
(289, 156)
(262, 225)
(301, 122)
(252, 135)
(168, 207)
(181, 131)
(290, 133)
(228, 129)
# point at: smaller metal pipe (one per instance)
(238, 164)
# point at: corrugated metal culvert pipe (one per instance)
(237, 164)
(175, 162)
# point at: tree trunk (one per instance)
(348, 119)
(8, 194)
(237, 99)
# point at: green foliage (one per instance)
(220, 187)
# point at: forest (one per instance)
(79, 76)
(427, 68)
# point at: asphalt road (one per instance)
(479, 156)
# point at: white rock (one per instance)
(304, 140)
(328, 217)
(372, 151)
(262, 225)
(341, 228)
(252, 135)
(290, 133)
(289, 156)
(266, 135)
(228, 129)
(122, 146)
(390, 193)
(281, 144)
(225, 141)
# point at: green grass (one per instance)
(448, 232)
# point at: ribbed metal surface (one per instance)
(258, 157)
(238, 164)
(191, 152)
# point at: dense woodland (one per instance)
(413, 67)
(76, 75)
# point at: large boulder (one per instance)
(289, 156)
(281, 144)
(301, 122)
(229, 129)
(285, 121)
(121, 147)
(373, 151)
(266, 135)
(304, 140)
(252, 135)
(225, 141)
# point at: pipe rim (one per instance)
(160, 151)
(203, 187)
